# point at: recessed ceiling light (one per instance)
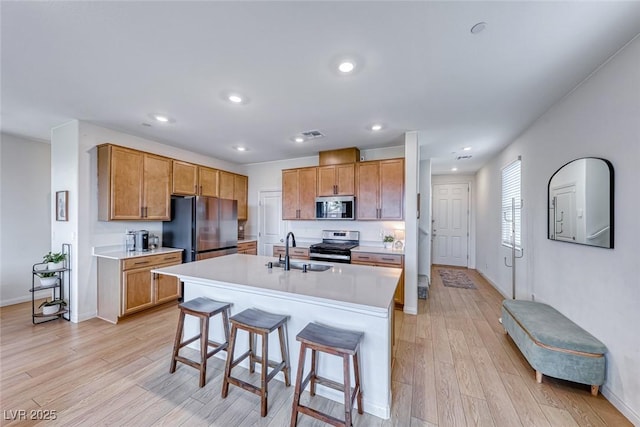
(346, 67)
(467, 148)
(236, 99)
(298, 139)
(241, 149)
(376, 127)
(478, 28)
(454, 169)
(161, 118)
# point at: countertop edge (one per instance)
(111, 253)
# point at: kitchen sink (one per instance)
(297, 265)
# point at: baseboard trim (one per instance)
(620, 405)
(492, 283)
(27, 298)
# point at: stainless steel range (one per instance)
(335, 247)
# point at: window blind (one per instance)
(511, 191)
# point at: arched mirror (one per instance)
(581, 203)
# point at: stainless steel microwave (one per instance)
(338, 207)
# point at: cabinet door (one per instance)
(185, 177)
(157, 188)
(240, 194)
(392, 189)
(367, 191)
(208, 181)
(137, 290)
(290, 194)
(345, 180)
(167, 288)
(226, 185)
(327, 181)
(126, 184)
(307, 193)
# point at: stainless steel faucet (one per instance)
(287, 266)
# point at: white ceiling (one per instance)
(419, 68)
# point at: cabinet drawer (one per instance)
(247, 247)
(367, 257)
(152, 260)
(302, 253)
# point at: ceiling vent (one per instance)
(312, 134)
(463, 157)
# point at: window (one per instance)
(511, 198)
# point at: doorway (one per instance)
(451, 224)
(270, 224)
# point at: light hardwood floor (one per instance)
(453, 366)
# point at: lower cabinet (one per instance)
(298, 253)
(383, 260)
(248, 248)
(127, 286)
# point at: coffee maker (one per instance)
(142, 240)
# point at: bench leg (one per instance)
(594, 390)
(539, 377)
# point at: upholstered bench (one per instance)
(554, 345)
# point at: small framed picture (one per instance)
(62, 205)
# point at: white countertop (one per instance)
(345, 284)
(115, 252)
(248, 239)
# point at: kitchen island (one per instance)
(344, 296)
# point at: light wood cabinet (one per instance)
(248, 248)
(194, 180)
(380, 190)
(233, 186)
(297, 253)
(208, 181)
(133, 185)
(299, 193)
(336, 180)
(185, 178)
(383, 260)
(127, 286)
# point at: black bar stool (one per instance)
(338, 342)
(204, 309)
(257, 322)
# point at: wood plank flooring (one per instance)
(453, 366)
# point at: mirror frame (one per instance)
(611, 204)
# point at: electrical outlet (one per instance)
(533, 297)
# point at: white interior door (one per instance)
(564, 221)
(271, 227)
(451, 224)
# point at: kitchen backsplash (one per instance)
(371, 232)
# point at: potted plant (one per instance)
(54, 260)
(388, 239)
(47, 279)
(53, 306)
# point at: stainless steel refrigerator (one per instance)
(205, 227)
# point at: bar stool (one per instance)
(257, 322)
(204, 309)
(338, 342)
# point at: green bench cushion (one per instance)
(549, 327)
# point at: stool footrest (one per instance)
(320, 416)
(244, 385)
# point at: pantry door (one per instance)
(271, 227)
(451, 224)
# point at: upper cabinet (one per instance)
(299, 193)
(233, 186)
(133, 185)
(185, 178)
(336, 180)
(380, 190)
(208, 181)
(194, 180)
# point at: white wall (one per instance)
(25, 214)
(596, 288)
(424, 222)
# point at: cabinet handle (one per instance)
(141, 212)
(388, 259)
(141, 263)
(363, 257)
